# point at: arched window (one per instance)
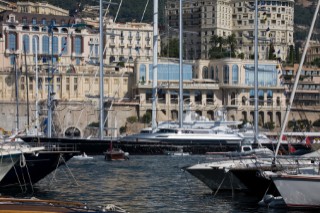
(261, 97)
(212, 72)
(226, 74)
(55, 45)
(112, 59)
(45, 44)
(142, 73)
(205, 74)
(26, 43)
(35, 39)
(217, 74)
(251, 97)
(233, 98)
(12, 41)
(269, 97)
(235, 74)
(77, 44)
(64, 46)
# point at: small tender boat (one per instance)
(116, 154)
(179, 152)
(84, 156)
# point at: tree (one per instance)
(272, 55)
(171, 50)
(290, 58)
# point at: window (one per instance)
(77, 44)
(55, 45)
(24, 20)
(45, 44)
(64, 46)
(75, 84)
(205, 74)
(67, 84)
(12, 41)
(142, 73)
(44, 21)
(26, 43)
(35, 40)
(34, 21)
(226, 74)
(235, 74)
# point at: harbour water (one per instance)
(142, 184)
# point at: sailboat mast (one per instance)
(17, 94)
(284, 123)
(37, 88)
(27, 80)
(180, 66)
(101, 73)
(155, 65)
(256, 113)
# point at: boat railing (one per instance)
(60, 147)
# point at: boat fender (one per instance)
(22, 161)
(266, 200)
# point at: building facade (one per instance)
(128, 41)
(210, 85)
(223, 18)
(40, 8)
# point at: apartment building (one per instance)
(223, 18)
(127, 41)
(40, 8)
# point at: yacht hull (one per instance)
(299, 191)
(7, 162)
(34, 168)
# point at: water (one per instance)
(142, 184)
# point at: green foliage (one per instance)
(120, 64)
(146, 118)
(316, 62)
(316, 123)
(132, 119)
(172, 48)
(222, 47)
(300, 125)
(272, 56)
(123, 129)
(290, 59)
(269, 125)
(94, 124)
(241, 55)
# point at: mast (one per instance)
(50, 87)
(180, 66)
(285, 120)
(37, 92)
(155, 65)
(256, 114)
(27, 80)
(17, 94)
(101, 73)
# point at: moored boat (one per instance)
(116, 154)
(18, 205)
(83, 156)
(34, 167)
(299, 190)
